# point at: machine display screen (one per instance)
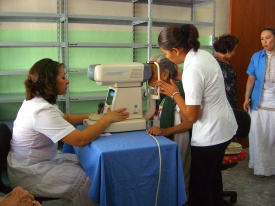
(110, 96)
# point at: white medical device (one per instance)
(125, 82)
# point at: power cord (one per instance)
(160, 160)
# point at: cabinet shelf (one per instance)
(32, 44)
(201, 46)
(165, 22)
(181, 3)
(19, 97)
(11, 98)
(76, 70)
(13, 72)
(31, 17)
(98, 19)
(107, 45)
(85, 96)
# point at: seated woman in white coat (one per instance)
(34, 163)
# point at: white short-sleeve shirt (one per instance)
(204, 85)
(37, 129)
(39, 124)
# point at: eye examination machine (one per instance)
(125, 81)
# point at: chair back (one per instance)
(243, 122)
(5, 138)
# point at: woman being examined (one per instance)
(225, 47)
(167, 121)
(205, 105)
(34, 162)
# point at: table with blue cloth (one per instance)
(124, 169)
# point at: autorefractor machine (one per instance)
(125, 82)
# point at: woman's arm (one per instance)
(75, 119)
(249, 86)
(84, 137)
(19, 196)
(182, 127)
(189, 112)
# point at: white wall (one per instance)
(222, 16)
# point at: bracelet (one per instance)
(172, 97)
(101, 122)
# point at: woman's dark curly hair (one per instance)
(179, 36)
(41, 80)
(225, 43)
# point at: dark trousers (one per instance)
(205, 185)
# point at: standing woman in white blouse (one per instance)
(260, 102)
(205, 105)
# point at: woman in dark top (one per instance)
(225, 47)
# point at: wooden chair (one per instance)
(243, 121)
(5, 138)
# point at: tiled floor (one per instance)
(252, 190)
(52, 203)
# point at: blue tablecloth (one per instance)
(124, 170)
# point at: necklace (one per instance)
(270, 69)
